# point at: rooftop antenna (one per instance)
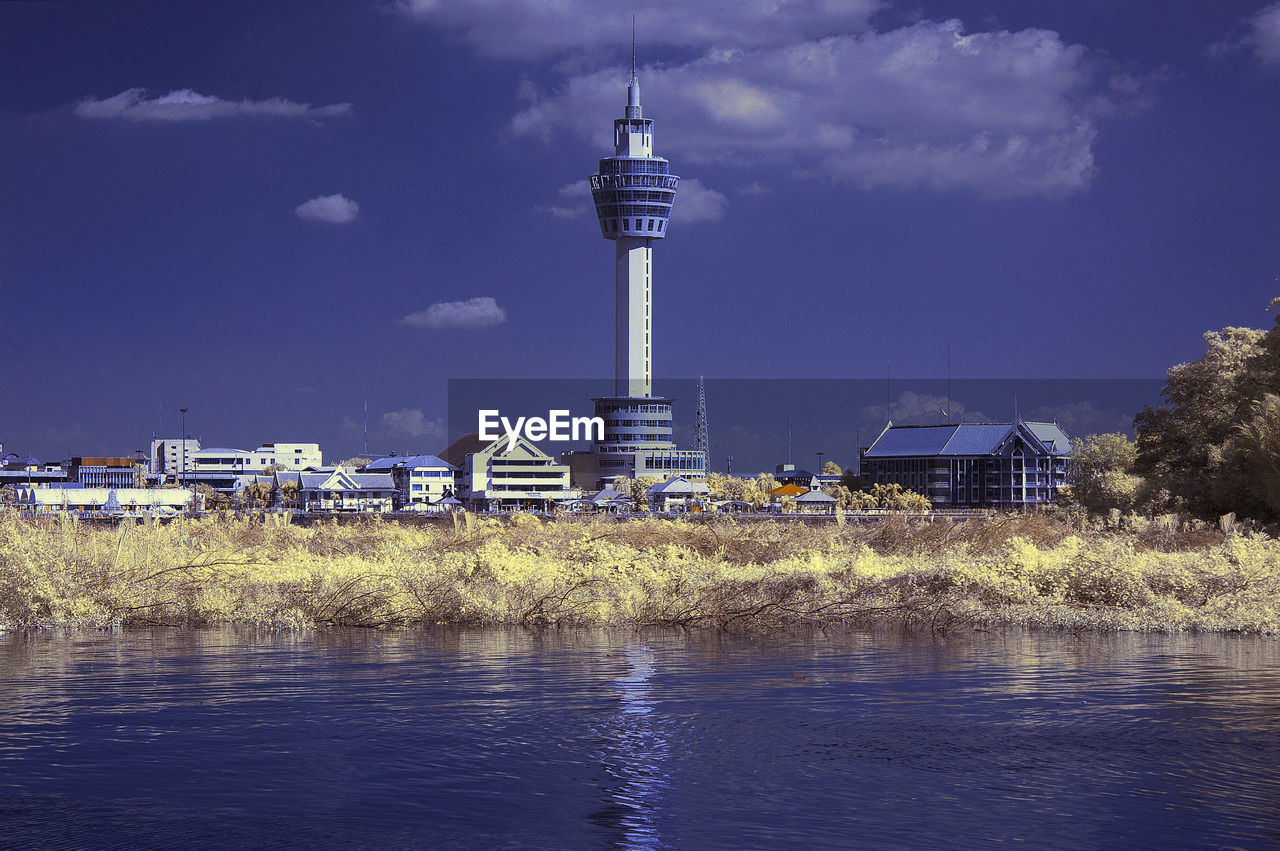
(948, 411)
(365, 450)
(887, 415)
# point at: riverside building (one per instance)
(633, 193)
(972, 465)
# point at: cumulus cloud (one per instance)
(572, 201)
(472, 314)
(912, 408)
(412, 422)
(1264, 35)
(334, 209)
(188, 105)
(1080, 418)
(697, 203)
(532, 28)
(1000, 114)
(1259, 33)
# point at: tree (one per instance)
(1259, 444)
(640, 491)
(289, 494)
(275, 468)
(8, 495)
(210, 498)
(256, 494)
(895, 498)
(831, 468)
(1193, 448)
(357, 462)
(1101, 473)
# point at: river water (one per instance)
(556, 739)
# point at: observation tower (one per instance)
(633, 193)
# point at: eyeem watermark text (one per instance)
(558, 426)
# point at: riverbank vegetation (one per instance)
(1029, 570)
(1213, 448)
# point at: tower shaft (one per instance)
(633, 370)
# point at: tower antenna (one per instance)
(633, 47)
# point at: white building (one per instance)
(343, 490)
(419, 479)
(491, 478)
(168, 456)
(156, 501)
(292, 456)
(678, 495)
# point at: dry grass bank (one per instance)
(1030, 571)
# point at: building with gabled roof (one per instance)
(419, 479)
(342, 490)
(678, 494)
(969, 465)
(494, 477)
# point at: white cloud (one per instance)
(187, 105)
(1264, 35)
(755, 187)
(413, 423)
(999, 114)
(573, 200)
(334, 209)
(472, 314)
(1259, 33)
(532, 28)
(697, 203)
(912, 408)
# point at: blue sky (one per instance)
(269, 212)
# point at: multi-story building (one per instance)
(492, 478)
(633, 193)
(419, 479)
(106, 472)
(170, 456)
(220, 468)
(969, 465)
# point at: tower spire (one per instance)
(633, 88)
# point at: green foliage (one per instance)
(356, 462)
(831, 468)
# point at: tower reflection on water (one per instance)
(634, 754)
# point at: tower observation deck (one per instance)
(633, 193)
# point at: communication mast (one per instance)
(703, 443)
